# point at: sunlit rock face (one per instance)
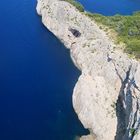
(106, 97)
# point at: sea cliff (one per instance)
(106, 96)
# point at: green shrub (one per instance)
(132, 131)
(126, 27)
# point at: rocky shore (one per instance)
(106, 97)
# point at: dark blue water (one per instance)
(37, 77)
(111, 7)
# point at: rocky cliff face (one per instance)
(107, 94)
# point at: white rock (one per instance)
(109, 76)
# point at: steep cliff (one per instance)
(107, 94)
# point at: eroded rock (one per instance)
(107, 95)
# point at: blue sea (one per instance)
(37, 76)
(111, 7)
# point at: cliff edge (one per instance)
(107, 94)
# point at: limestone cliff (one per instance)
(107, 94)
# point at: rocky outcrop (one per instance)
(107, 94)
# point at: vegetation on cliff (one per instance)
(127, 28)
(75, 3)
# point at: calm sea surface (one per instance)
(37, 76)
(111, 7)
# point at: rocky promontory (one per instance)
(106, 97)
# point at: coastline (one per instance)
(104, 84)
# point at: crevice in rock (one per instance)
(121, 107)
(128, 122)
